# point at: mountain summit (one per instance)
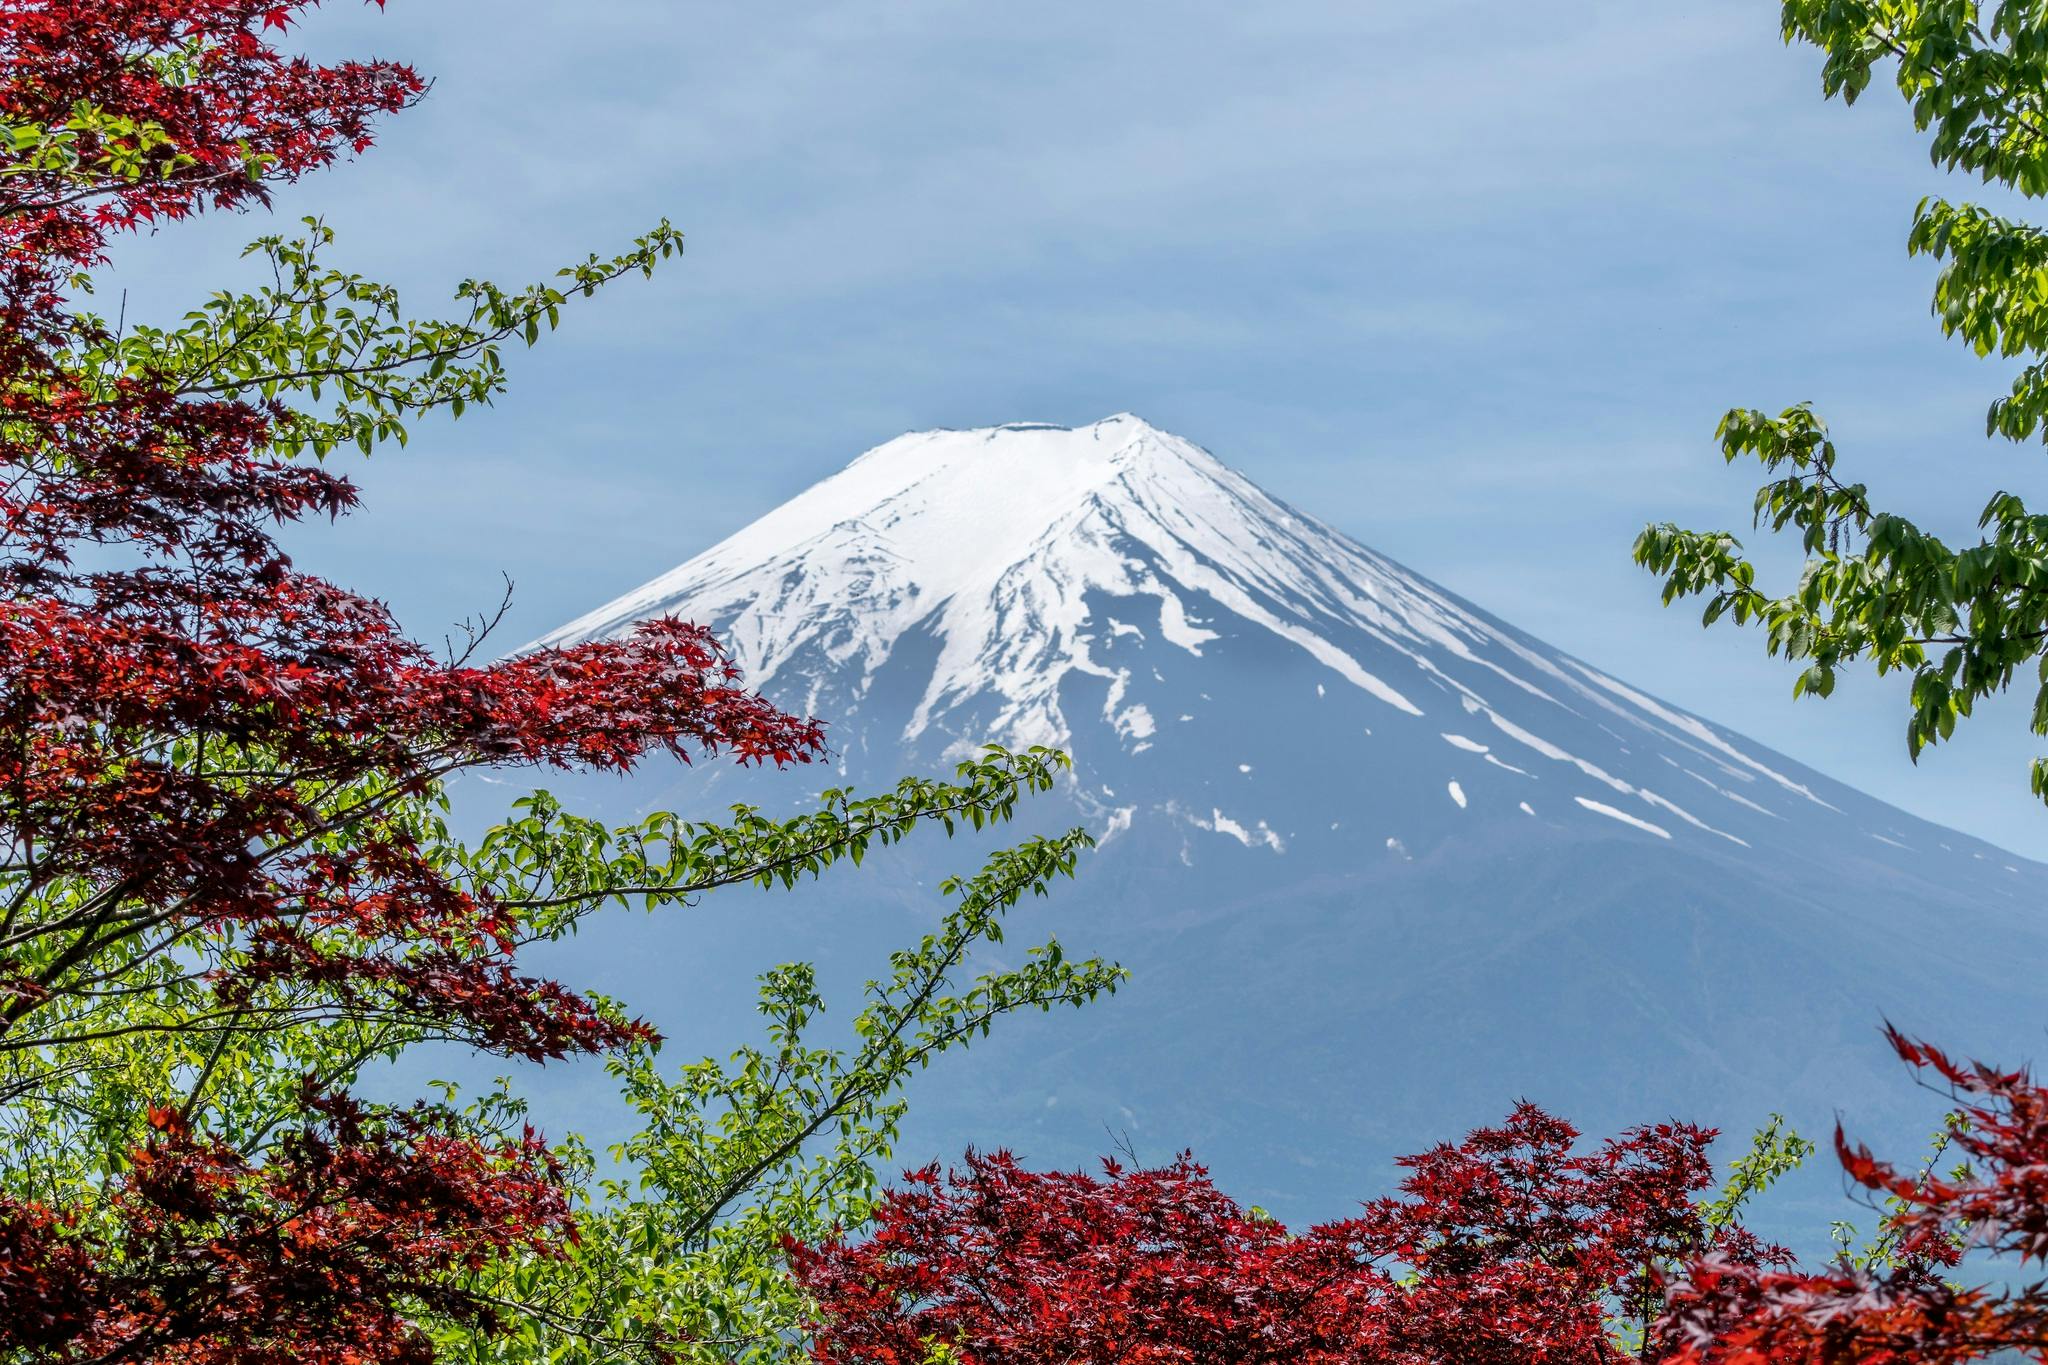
(994, 542)
(1380, 862)
(1095, 587)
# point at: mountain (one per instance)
(1380, 863)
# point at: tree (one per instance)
(1961, 620)
(1511, 1246)
(1896, 1304)
(226, 883)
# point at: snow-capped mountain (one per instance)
(1380, 862)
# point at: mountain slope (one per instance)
(1380, 862)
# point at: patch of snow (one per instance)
(1458, 795)
(1689, 817)
(1470, 746)
(1893, 842)
(1552, 752)
(1176, 629)
(1592, 770)
(1135, 722)
(1737, 797)
(1696, 730)
(1600, 808)
(1250, 838)
(1118, 628)
(1498, 762)
(1527, 809)
(1396, 846)
(1244, 767)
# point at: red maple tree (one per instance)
(1512, 1246)
(205, 752)
(1902, 1306)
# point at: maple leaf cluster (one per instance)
(1513, 1246)
(207, 755)
(1906, 1306)
(227, 1262)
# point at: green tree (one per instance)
(1964, 619)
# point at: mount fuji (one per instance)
(1380, 863)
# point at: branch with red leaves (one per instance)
(1907, 1309)
(1512, 1246)
(182, 740)
(353, 1224)
(222, 871)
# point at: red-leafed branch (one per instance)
(1907, 1306)
(321, 1253)
(1513, 1246)
(217, 771)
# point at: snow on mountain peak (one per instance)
(1343, 814)
(1090, 587)
(993, 536)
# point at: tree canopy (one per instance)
(227, 880)
(1962, 620)
(1519, 1245)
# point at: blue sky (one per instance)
(1471, 281)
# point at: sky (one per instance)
(1472, 281)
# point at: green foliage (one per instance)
(1881, 1252)
(547, 860)
(1961, 620)
(94, 147)
(314, 333)
(683, 1226)
(1775, 1151)
(783, 1140)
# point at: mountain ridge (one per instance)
(999, 566)
(1380, 862)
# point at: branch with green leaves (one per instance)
(1962, 620)
(144, 1018)
(314, 331)
(548, 863)
(680, 1257)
